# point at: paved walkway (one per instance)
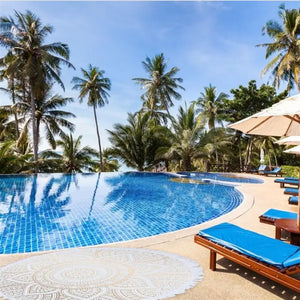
(230, 281)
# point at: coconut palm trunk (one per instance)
(14, 102)
(99, 141)
(34, 133)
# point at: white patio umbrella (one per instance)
(262, 156)
(290, 140)
(281, 119)
(294, 150)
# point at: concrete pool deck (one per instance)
(229, 281)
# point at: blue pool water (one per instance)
(221, 177)
(54, 211)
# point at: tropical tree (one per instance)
(12, 160)
(210, 105)
(110, 164)
(246, 101)
(136, 143)
(161, 85)
(285, 46)
(95, 86)
(47, 113)
(215, 144)
(10, 90)
(73, 158)
(36, 62)
(185, 145)
(7, 129)
(267, 144)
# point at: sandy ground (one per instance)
(229, 281)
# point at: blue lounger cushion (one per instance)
(291, 178)
(263, 248)
(293, 199)
(291, 190)
(279, 214)
(275, 171)
(291, 181)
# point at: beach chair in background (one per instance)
(276, 171)
(291, 191)
(260, 169)
(293, 200)
(271, 215)
(284, 181)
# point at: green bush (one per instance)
(290, 171)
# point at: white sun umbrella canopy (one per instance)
(281, 119)
(294, 150)
(290, 140)
(262, 156)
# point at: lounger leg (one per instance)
(277, 233)
(213, 256)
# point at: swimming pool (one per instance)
(55, 211)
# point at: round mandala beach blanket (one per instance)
(99, 273)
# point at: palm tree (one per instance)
(161, 85)
(73, 158)
(110, 164)
(136, 143)
(210, 105)
(36, 62)
(47, 113)
(11, 90)
(285, 46)
(267, 144)
(215, 144)
(185, 143)
(15, 156)
(96, 87)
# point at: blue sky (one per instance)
(210, 42)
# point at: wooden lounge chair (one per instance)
(291, 191)
(276, 171)
(260, 169)
(276, 260)
(285, 181)
(293, 200)
(271, 215)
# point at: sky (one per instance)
(210, 42)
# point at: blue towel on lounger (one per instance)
(279, 214)
(263, 248)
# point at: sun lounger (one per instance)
(269, 257)
(284, 181)
(293, 200)
(276, 171)
(260, 169)
(291, 191)
(271, 215)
